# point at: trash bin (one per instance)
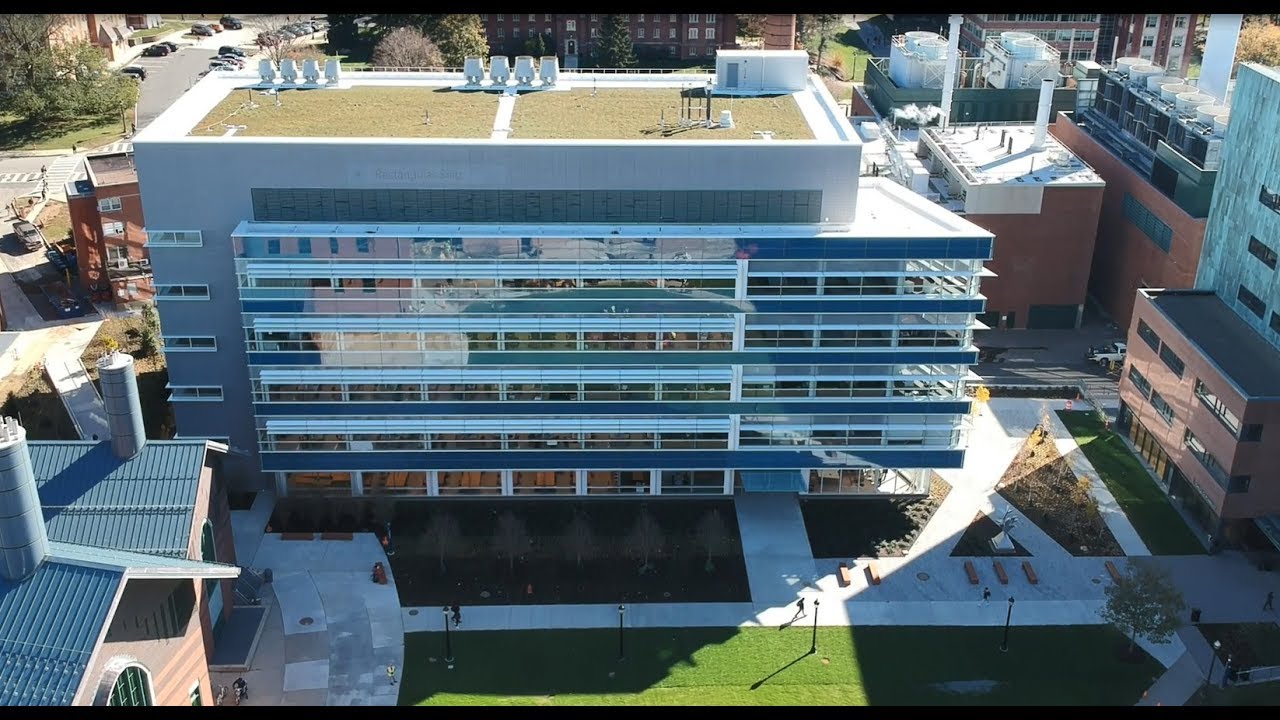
(1195, 615)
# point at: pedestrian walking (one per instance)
(986, 595)
(799, 610)
(391, 673)
(457, 615)
(1269, 604)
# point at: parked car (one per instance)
(222, 65)
(140, 73)
(173, 46)
(29, 235)
(157, 51)
(231, 22)
(216, 27)
(231, 60)
(231, 50)
(1106, 354)
(201, 30)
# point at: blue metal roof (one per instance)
(144, 504)
(49, 626)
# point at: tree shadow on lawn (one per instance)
(18, 134)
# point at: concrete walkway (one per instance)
(341, 630)
(70, 379)
(775, 546)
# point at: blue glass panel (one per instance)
(786, 481)
(610, 460)
(772, 407)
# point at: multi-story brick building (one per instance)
(657, 36)
(1075, 36)
(1200, 397)
(1164, 40)
(107, 224)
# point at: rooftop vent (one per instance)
(124, 409)
(289, 70)
(473, 70)
(267, 70)
(311, 71)
(332, 71)
(499, 71)
(525, 72)
(549, 69)
(24, 542)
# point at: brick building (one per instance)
(657, 36)
(1075, 36)
(107, 224)
(1164, 40)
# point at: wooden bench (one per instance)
(337, 536)
(971, 571)
(873, 575)
(297, 536)
(1001, 575)
(845, 575)
(1112, 571)
(1031, 573)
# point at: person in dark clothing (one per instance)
(457, 615)
(986, 595)
(799, 609)
(1269, 604)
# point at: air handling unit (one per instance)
(760, 72)
(1020, 60)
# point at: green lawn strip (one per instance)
(719, 666)
(155, 33)
(1143, 501)
(19, 134)
(853, 57)
(1258, 694)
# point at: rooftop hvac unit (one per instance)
(122, 263)
(332, 70)
(311, 71)
(549, 69)
(267, 70)
(289, 70)
(499, 71)
(473, 70)
(1123, 64)
(524, 69)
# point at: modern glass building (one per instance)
(593, 285)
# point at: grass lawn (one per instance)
(19, 134)
(1249, 644)
(356, 112)
(152, 372)
(763, 666)
(169, 26)
(1256, 695)
(845, 52)
(614, 113)
(1161, 527)
(37, 406)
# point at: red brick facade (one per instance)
(100, 266)
(657, 36)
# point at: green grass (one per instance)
(169, 26)
(19, 134)
(1251, 644)
(845, 46)
(1256, 695)
(1157, 522)
(763, 666)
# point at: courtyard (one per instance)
(773, 666)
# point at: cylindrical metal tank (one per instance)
(1123, 64)
(1155, 83)
(124, 409)
(933, 48)
(24, 542)
(1206, 113)
(1138, 74)
(1027, 48)
(1188, 102)
(1169, 93)
(1220, 124)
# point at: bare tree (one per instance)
(510, 538)
(406, 47)
(579, 539)
(442, 536)
(275, 43)
(645, 539)
(713, 536)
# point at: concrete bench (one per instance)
(845, 575)
(873, 575)
(1031, 573)
(1112, 571)
(297, 536)
(1001, 575)
(971, 571)
(337, 536)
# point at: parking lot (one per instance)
(170, 76)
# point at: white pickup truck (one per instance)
(1104, 355)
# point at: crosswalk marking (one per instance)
(116, 147)
(14, 178)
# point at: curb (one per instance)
(10, 154)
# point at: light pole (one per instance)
(1208, 678)
(448, 642)
(813, 646)
(622, 611)
(1004, 644)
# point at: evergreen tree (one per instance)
(536, 45)
(614, 48)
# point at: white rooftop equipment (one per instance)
(289, 70)
(952, 67)
(267, 70)
(499, 69)
(473, 70)
(525, 72)
(726, 119)
(549, 69)
(311, 71)
(918, 59)
(332, 71)
(1219, 55)
(761, 72)
(1019, 60)
(1043, 110)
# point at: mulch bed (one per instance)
(976, 540)
(852, 527)
(1041, 485)
(476, 570)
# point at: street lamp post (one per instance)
(622, 611)
(1208, 678)
(448, 642)
(1004, 644)
(813, 646)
